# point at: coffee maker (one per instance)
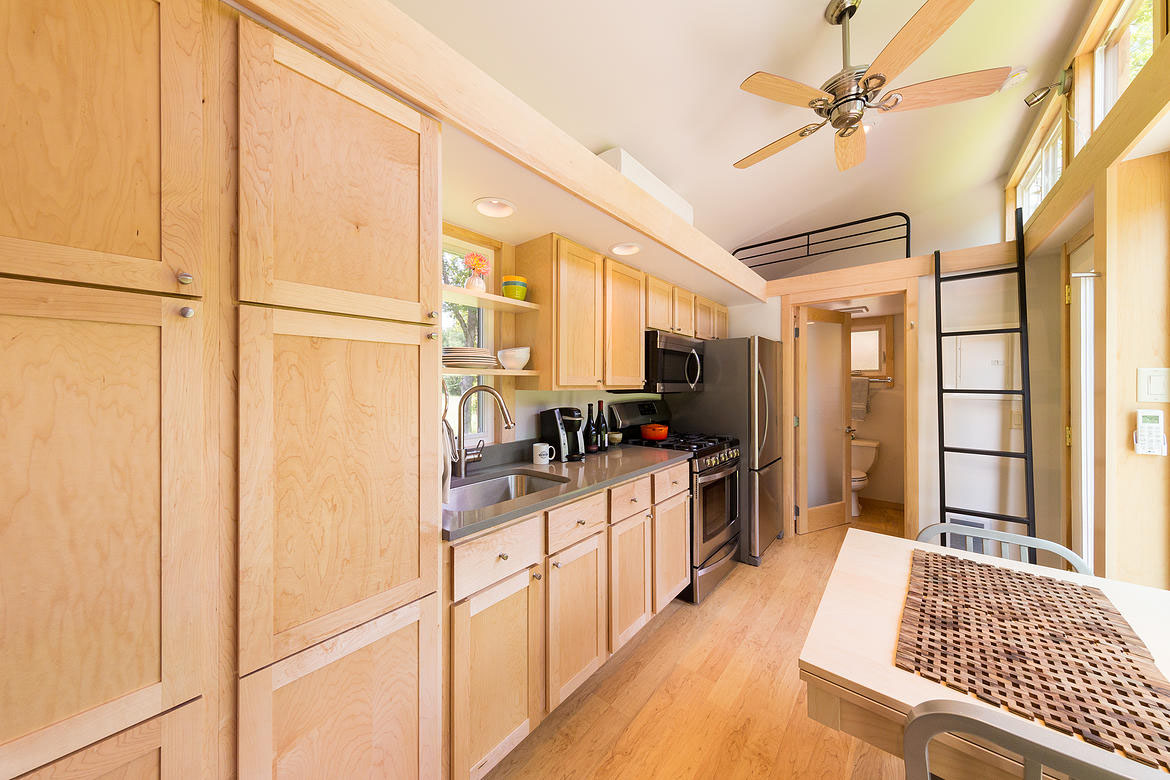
(561, 427)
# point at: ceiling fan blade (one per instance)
(918, 35)
(782, 90)
(764, 153)
(851, 150)
(952, 89)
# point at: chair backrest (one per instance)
(1039, 746)
(1024, 543)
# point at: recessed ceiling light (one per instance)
(494, 207)
(1014, 79)
(623, 250)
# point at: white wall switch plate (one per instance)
(1153, 385)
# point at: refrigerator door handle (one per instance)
(764, 385)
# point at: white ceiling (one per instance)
(660, 78)
(879, 305)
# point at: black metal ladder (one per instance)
(1021, 330)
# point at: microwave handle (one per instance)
(698, 369)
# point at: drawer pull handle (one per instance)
(580, 522)
(536, 575)
(634, 500)
(556, 564)
(674, 482)
(503, 556)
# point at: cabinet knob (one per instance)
(184, 278)
(432, 314)
(432, 336)
(634, 500)
(556, 564)
(537, 575)
(503, 556)
(186, 312)
(649, 516)
(580, 522)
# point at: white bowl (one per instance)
(515, 358)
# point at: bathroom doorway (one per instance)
(851, 401)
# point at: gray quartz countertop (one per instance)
(595, 473)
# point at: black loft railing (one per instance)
(871, 231)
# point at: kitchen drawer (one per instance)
(629, 499)
(576, 521)
(491, 558)
(669, 481)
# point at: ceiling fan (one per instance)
(843, 99)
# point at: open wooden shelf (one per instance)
(450, 371)
(486, 300)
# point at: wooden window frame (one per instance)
(885, 328)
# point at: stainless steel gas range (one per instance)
(715, 505)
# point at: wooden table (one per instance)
(848, 658)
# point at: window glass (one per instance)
(1043, 172)
(866, 350)
(465, 326)
(1125, 50)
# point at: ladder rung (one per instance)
(979, 332)
(954, 510)
(992, 453)
(979, 274)
(981, 391)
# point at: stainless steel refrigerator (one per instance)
(741, 397)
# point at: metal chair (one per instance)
(1024, 543)
(1040, 747)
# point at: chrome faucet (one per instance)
(462, 455)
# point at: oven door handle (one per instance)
(698, 369)
(706, 478)
(731, 548)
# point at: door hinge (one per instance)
(796, 333)
(795, 421)
(1067, 294)
(1067, 436)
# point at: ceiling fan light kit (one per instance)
(843, 100)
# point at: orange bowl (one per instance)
(654, 431)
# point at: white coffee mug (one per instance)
(542, 453)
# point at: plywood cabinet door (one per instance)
(100, 145)
(625, 342)
(672, 548)
(659, 304)
(366, 703)
(497, 671)
(630, 564)
(580, 280)
(577, 626)
(339, 470)
(704, 318)
(339, 205)
(103, 579)
(168, 746)
(720, 322)
(684, 312)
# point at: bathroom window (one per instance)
(871, 348)
(466, 326)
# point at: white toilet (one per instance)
(864, 453)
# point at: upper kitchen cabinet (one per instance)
(100, 145)
(720, 321)
(103, 552)
(684, 312)
(339, 475)
(339, 189)
(567, 335)
(704, 318)
(625, 344)
(659, 304)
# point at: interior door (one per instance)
(823, 462)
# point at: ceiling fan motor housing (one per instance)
(849, 98)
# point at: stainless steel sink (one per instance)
(499, 488)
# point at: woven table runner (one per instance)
(1043, 648)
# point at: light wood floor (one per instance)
(710, 691)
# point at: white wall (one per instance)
(885, 423)
(755, 319)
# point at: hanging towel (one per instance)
(859, 397)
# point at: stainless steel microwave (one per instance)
(674, 363)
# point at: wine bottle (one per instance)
(591, 443)
(602, 426)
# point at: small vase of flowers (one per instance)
(479, 267)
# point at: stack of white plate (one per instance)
(469, 357)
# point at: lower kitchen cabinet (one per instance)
(629, 578)
(168, 746)
(672, 546)
(497, 671)
(366, 703)
(577, 626)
